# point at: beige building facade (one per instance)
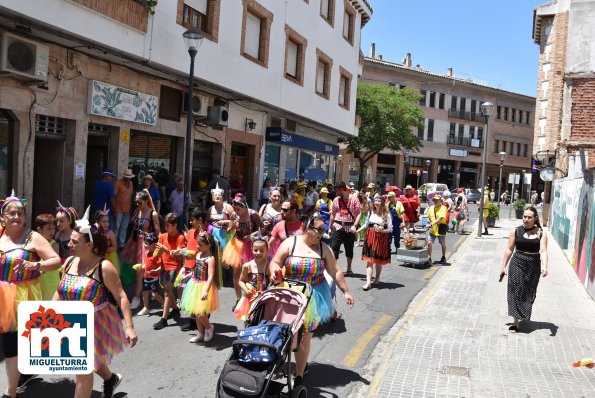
(454, 133)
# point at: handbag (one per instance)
(442, 228)
(268, 332)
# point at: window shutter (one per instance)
(320, 67)
(198, 5)
(324, 8)
(292, 58)
(346, 23)
(252, 39)
(342, 89)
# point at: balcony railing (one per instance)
(464, 141)
(472, 116)
(129, 12)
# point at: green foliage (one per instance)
(387, 116)
(519, 204)
(493, 211)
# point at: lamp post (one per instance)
(428, 165)
(487, 108)
(503, 156)
(405, 166)
(339, 164)
(192, 38)
(418, 174)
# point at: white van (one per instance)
(432, 188)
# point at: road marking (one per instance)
(356, 352)
(375, 384)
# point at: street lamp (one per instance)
(192, 38)
(418, 174)
(487, 108)
(503, 156)
(339, 164)
(405, 165)
(428, 165)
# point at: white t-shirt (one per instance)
(374, 218)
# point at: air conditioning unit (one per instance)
(24, 58)
(200, 105)
(217, 116)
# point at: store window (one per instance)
(272, 157)
(202, 164)
(314, 166)
(151, 154)
(6, 134)
(291, 164)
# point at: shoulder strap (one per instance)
(293, 248)
(68, 264)
(347, 206)
(100, 271)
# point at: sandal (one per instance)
(349, 273)
(366, 287)
(513, 329)
(376, 283)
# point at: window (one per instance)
(432, 99)
(480, 133)
(401, 86)
(463, 104)
(327, 11)
(472, 132)
(496, 146)
(170, 103)
(422, 100)
(295, 51)
(453, 102)
(451, 131)
(7, 134)
(256, 33)
(441, 101)
(520, 116)
(525, 149)
(420, 133)
(461, 132)
(344, 88)
(503, 146)
(498, 111)
(386, 158)
(513, 118)
(527, 114)
(473, 106)
(430, 130)
(506, 113)
(518, 149)
(348, 22)
(195, 14)
(200, 14)
(323, 74)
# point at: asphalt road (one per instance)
(165, 364)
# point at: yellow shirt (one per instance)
(328, 202)
(486, 205)
(398, 206)
(299, 199)
(433, 215)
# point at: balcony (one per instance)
(129, 12)
(464, 141)
(472, 116)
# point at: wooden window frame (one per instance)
(328, 66)
(344, 74)
(266, 20)
(302, 42)
(351, 32)
(330, 19)
(211, 31)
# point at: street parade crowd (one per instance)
(297, 232)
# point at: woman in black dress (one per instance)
(527, 245)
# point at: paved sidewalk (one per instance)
(453, 341)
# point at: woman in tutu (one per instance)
(24, 255)
(238, 250)
(306, 258)
(201, 296)
(220, 218)
(88, 276)
(376, 249)
(102, 224)
(254, 278)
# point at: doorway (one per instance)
(48, 175)
(97, 162)
(239, 177)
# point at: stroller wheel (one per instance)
(299, 392)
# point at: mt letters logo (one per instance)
(56, 337)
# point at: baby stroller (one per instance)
(263, 349)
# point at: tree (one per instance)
(387, 116)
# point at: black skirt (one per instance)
(524, 272)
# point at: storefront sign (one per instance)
(459, 152)
(120, 103)
(278, 135)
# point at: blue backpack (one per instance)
(271, 333)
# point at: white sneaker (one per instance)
(135, 303)
(198, 338)
(144, 311)
(209, 334)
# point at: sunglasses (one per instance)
(284, 210)
(319, 231)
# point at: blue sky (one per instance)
(488, 41)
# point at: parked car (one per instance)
(428, 190)
(473, 196)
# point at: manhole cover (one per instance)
(455, 370)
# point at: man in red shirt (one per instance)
(345, 217)
(290, 225)
(168, 248)
(412, 207)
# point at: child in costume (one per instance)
(189, 253)
(152, 266)
(238, 251)
(65, 219)
(220, 216)
(102, 224)
(253, 279)
(45, 225)
(201, 296)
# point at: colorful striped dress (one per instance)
(109, 332)
(16, 286)
(258, 282)
(311, 270)
(220, 234)
(192, 302)
(239, 250)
